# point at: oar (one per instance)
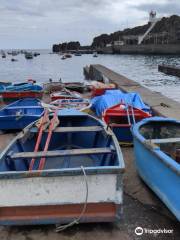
(133, 116)
(53, 123)
(40, 133)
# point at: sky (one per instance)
(41, 23)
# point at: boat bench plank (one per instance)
(73, 129)
(61, 153)
(165, 140)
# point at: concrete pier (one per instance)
(170, 70)
(142, 49)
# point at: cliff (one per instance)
(166, 30)
(66, 46)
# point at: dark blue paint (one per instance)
(68, 165)
(20, 114)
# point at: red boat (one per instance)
(12, 96)
(121, 117)
(100, 91)
(99, 88)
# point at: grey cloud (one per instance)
(168, 7)
(43, 7)
(40, 23)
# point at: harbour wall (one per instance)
(142, 49)
(160, 104)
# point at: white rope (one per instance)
(77, 220)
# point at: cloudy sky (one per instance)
(40, 23)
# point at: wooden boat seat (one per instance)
(60, 153)
(73, 129)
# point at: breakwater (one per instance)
(142, 49)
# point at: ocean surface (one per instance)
(141, 68)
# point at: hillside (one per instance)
(168, 27)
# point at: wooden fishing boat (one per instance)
(13, 95)
(28, 55)
(5, 83)
(79, 103)
(157, 156)
(78, 54)
(76, 177)
(64, 94)
(53, 87)
(78, 87)
(99, 88)
(20, 114)
(121, 117)
(24, 86)
(67, 55)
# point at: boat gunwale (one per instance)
(168, 161)
(120, 168)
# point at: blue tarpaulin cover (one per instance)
(114, 97)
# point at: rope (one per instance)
(76, 221)
(49, 136)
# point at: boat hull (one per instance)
(60, 97)
(123, 134)
(20, 114)
(154, 167)
(117, 118)
(16, 123)
(50, 200)
(12, 96)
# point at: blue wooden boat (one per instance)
(81, 180)
(5, 83)
(19, 87)
(20, 114)
(157, 156)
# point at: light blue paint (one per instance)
(160, 172)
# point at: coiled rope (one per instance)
(77, 220)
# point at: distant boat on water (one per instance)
(67, 55)
(3, 55)
(77, 54)
(13, 60)
(28, 55)
(95, 55)
(36, 54)
(14, 53)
